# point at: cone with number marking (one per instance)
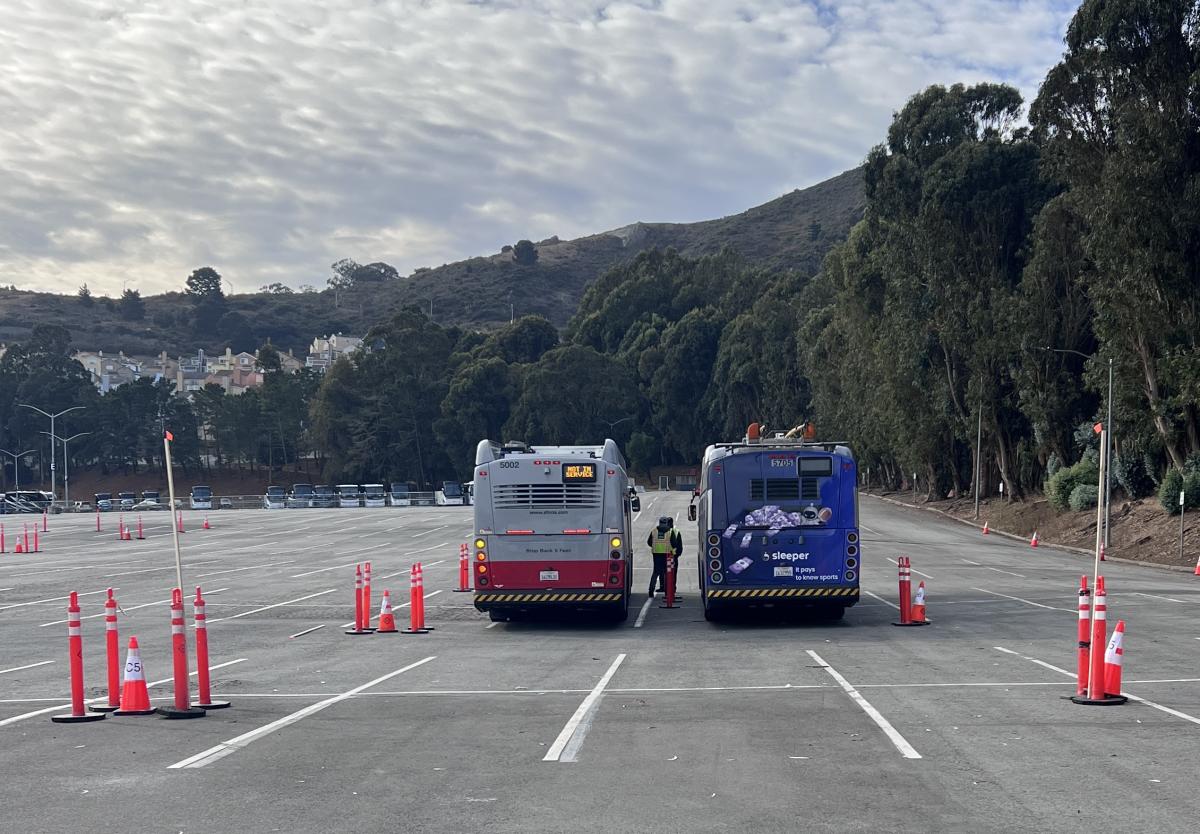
(1034, 541)
(135, 698)
(387, 620)
(1114, 658)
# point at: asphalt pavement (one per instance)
(664, 723)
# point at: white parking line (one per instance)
(901, 744)
(641, 617)
(226, 748)
(423, 565)
(130, 608)
(248, 567)
(51, 599)
(1155, 596)
(969, 562)
(578, 725)
(269, 607)
(30, 666)
(1010, 573)
(1193, 719)
(1026, 601)
(306, 631)
(427, 532)
(339, 567)
(62, 706)
(881, 599)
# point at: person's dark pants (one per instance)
(660, 572)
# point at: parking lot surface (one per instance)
(663, 723)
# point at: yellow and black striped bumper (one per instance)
(780, 593)
(485, 600)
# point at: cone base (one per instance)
(359, 631)
(78, 719)
(213, 705)
(909, 625)
(1106, 701)
(387, 631)
(176, 712)
(104, 708)
(468, 590)
(414, 631)
(149, 711)
(664, 605)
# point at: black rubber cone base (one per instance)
(175, 712)
(78, 719)
(462, 590)
(907, 625)
(362, 631)
(150, 711)
(103, 708)
(414, 631)
(213, 705)
(1106, 701)
(664, 605)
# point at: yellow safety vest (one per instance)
(662, 541)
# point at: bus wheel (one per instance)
(621, 614)
(710, 614)
(498, 617)
(833, 613)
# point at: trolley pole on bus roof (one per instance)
(167, 438)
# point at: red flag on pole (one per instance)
(169, 436)
(1098, 427)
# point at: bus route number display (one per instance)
(578, 472)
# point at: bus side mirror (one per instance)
(635, 504)
(691, 512)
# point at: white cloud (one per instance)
(271, 137)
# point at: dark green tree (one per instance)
(131, 307)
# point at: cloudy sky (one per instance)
(268, 138)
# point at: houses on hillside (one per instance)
(236, 373)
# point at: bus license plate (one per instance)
(548, 576)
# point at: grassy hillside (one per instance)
(791, 232)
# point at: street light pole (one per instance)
(17, 466)
(978, 456)
(53, 481)
(66, 464)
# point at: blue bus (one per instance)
(778, 525)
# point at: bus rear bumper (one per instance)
(539, 600)
(839, 595)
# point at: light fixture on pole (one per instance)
(53, 417)
(16, 467)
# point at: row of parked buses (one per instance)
(395, 494)
(776, 527)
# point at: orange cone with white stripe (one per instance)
(1114, 657)
(206, 526)
(387, 620)
(985, 528)
(135, 698)
(918, 605)
(1034, 541)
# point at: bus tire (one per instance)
(710, 614)
(621, 614)
(833, 613)
(498, 617)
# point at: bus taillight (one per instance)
(714, 564)
(713, 538)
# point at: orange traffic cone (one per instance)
(918, 604)
(19, 549)
(985, 528)
(1114, 657)
(1196, 572)
(135, 698)
(1034, 541)
(1102, 559)
(206, 527)
(387, 620)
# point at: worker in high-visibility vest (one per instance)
(664, 541)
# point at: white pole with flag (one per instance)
(167, 438)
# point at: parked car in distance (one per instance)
(148, 505)
(301, 496)
(398, 495)
(347, 495)
(150, 495)
(225, 504)
(324, 496)
(275, 498)
(374, 496)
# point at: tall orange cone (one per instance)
(1114, 657)
(135, 698)
(1034, 541)
(387, 620)
(985, 528)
